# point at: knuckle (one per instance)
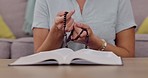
(56, 21)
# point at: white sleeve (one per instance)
(41, 15)
(125, 18)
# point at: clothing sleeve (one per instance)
(125, 18)
(41, 15)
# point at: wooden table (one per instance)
(132, 68)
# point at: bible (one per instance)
(66, 56)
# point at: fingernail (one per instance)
(73, 11)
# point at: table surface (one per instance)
(132, 68)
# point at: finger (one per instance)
(83, 34)
(77, 33)
(59, 19)
(70, 25)
(83, 26)
(60, 16)
(80, 40)
(77, 30)
(74, 35)
(69, 15)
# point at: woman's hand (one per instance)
(78, 27)
(45, 38)
(77, 30)
(94, 41)
(59, 24)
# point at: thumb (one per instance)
(81, 25)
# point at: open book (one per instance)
(68, 56)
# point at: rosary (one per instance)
(67, 39)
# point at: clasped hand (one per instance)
(72, 25)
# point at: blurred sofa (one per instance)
(140, 12)
(13, 12)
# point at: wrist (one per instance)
(56, 31)
(94, 43)
(103, 45)
(97, 44)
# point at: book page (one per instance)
(95, 57)
(67, 56)
(59, 55)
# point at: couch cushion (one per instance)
(141, 37)
(141, 45)
(22, 47)
(5, 45)
(13, 12)
(141, 49)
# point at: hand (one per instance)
(78, 27)
(94, 41)
(60, 18)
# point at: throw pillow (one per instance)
(5, 31)
(143, 29)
